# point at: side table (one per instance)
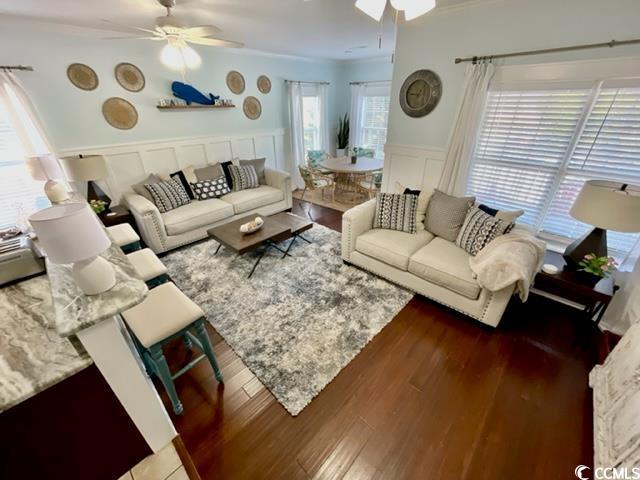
(118, 214)
(569, 285)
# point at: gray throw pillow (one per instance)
(446, 214)
(140, 189)
(210, 172)
(258, 164)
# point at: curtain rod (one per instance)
(28, 68)
(310, 83)
(611, 44)
(368, 82)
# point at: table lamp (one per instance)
(607, 206)
(71, 233)
(88, 168)
(45, 168)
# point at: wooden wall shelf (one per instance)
(192, 107)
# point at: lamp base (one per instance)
(55, 191)
(593, 242)
(94, 276)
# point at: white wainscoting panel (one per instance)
(412, 166)
(131, 163)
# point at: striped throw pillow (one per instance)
(168, 195)
(478, 229)
(243, 177)
(396, 212)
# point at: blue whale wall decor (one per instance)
(191, 95)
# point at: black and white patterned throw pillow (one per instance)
(478, 229)
(206, 189)
(243, 177)
(395, 211)
(168, 195)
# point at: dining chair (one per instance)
(314, 180)
(364, 152)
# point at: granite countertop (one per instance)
(75, 311)
(33, 356)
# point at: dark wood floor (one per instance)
(434, 396)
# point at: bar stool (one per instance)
(165, 314)
(148, 267)
(124, 236)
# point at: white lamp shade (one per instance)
(85, 168)
(373, 8)
(417, 8)
(69, 233)
(44, 167)
(605, 205)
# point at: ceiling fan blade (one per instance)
(128, 27)
(215, 42)
(132, 38)
(201, 31)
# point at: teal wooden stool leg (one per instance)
(187, 341)
(202, 335)
(162, 370)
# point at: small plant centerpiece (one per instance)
(355, 151)
(343, 135)
(596, 268)
(98, 206)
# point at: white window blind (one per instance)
(374, 122)
(20, 195)
(536, 148)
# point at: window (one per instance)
(20, 195)
(374, 123)
(311, 121)
(536, 148)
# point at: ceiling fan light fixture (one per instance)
(191, 58)
(373, 8)
(417, 8)
(177, 55)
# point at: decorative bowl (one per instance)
(252, 226)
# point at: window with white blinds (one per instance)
(536, 148)
(20, 195)
(374, 123)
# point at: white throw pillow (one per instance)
(423, 203)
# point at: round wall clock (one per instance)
(252, 108)
(82, 76)
(420, 93)
(235, 82)
(129, 77)
(264, 84)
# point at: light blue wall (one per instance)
(360, 71)
(73, 117)
(434, 41)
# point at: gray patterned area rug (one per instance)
(297, 321)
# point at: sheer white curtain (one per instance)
(323, 103)
(296, 132)
(465, 128)
(24, 116)
(356, 114)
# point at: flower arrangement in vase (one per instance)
(596, 268)
(98, 206)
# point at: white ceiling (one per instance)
(332, 29)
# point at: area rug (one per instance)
(297, 321)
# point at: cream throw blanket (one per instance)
(512, 258)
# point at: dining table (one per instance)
(352, 178)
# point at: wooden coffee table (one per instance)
(277, 228)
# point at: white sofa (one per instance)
(189, 223)
(428, 265)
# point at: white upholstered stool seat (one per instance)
(146, 264)
(123, 234)
(164, 312)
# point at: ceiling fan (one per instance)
(177, 54)
(412, 8)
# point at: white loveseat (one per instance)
(189, 223)
(421, 262)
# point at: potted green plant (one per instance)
(98, 206)
(343, 135)
(594, 268)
